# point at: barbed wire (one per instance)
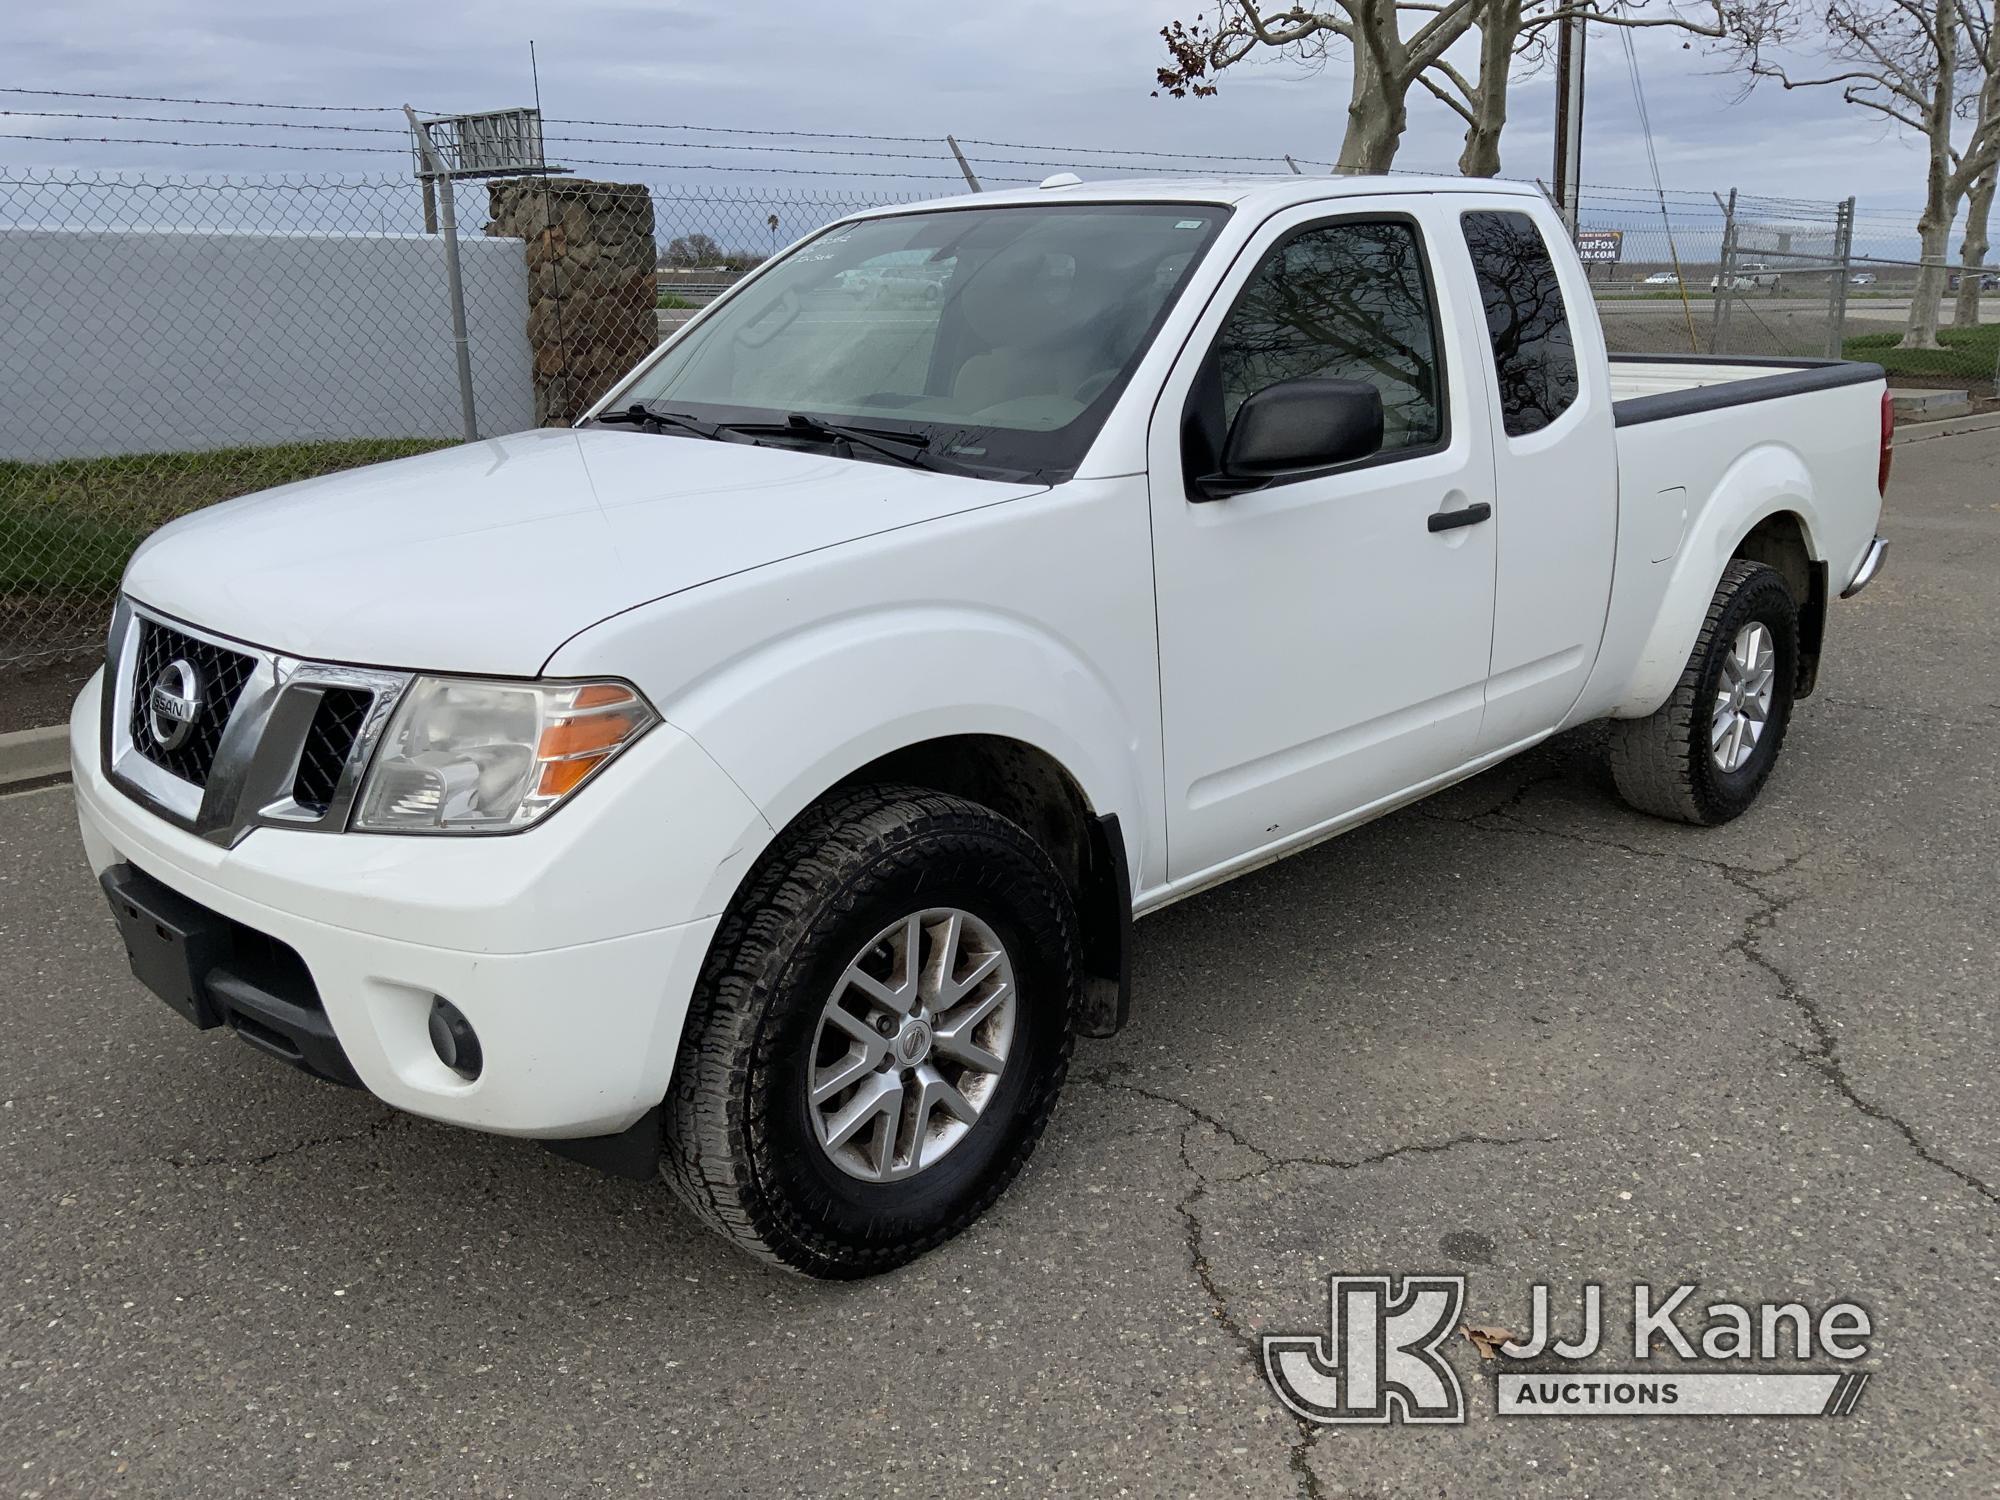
(1305, 161)
(819, 135)
(340, 109)
(586, 161)
(1059, 156)
(72, 114)
(1085, 157)
(127, 140)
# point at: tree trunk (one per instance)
(1934, 227)
(1376, 118)
(1934, 232)
(1972, 255)
(1500, 27)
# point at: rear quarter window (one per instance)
(1527, 323)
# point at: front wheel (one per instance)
(879, 1035)
(1707, 752)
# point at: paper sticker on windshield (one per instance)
(1189, 224)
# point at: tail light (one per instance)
(1888, 438)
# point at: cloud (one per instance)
(1038, 72)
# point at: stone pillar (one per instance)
(592, 285)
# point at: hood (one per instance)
(486, 557)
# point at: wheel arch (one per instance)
(1030, 786)
(1761, 509)
(1782, 542)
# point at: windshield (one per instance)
(999, 337)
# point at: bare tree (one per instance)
(1981, 108)
(1387, 63)
(1926, 65)
(688, 251)
(1516, 37)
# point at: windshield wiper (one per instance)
(639, 414)
(904, 447)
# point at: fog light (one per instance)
(453, 1039)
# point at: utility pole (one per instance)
(1569, 116)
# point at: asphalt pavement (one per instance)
(1517, 1034)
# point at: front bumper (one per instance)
(572, 948)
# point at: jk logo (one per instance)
(1379, 1361)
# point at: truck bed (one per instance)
(1704, 445)
(1649, 387)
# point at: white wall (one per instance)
(146, 341)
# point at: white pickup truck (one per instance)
(756, 783)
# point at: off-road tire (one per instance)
(739, 1149)
(1662, 764)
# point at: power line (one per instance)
(1653, 160)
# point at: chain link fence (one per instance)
(1732, 274)
(171, 342)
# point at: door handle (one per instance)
(1472, 515)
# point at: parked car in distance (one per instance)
(755, 785)
(1862, 278)
(1661, 278)
(1748, 277)
(1988, 281)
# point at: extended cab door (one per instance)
(1555, 494)
(1321, 646)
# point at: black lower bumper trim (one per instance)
(287, 1031)
(218, 972)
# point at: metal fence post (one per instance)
(970, 181)
(454, 284)
(1725, 276)
(1843, 255)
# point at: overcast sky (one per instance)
(1036, 72)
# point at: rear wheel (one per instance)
(879, 1036)
(1705, 755)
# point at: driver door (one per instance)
(1322, 648)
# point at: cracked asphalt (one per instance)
(1517, 1033)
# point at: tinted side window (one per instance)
(1525, 318)
(1347, 301)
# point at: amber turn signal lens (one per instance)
(602, 695)
(600, 731)
(561, 777)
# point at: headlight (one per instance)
(468, 756)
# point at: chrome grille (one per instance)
(219, 675)
(274, 742)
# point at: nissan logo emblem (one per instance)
(175, 701)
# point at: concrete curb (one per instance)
(33, 754)
(1917, 432)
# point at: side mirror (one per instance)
(1296, 427)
